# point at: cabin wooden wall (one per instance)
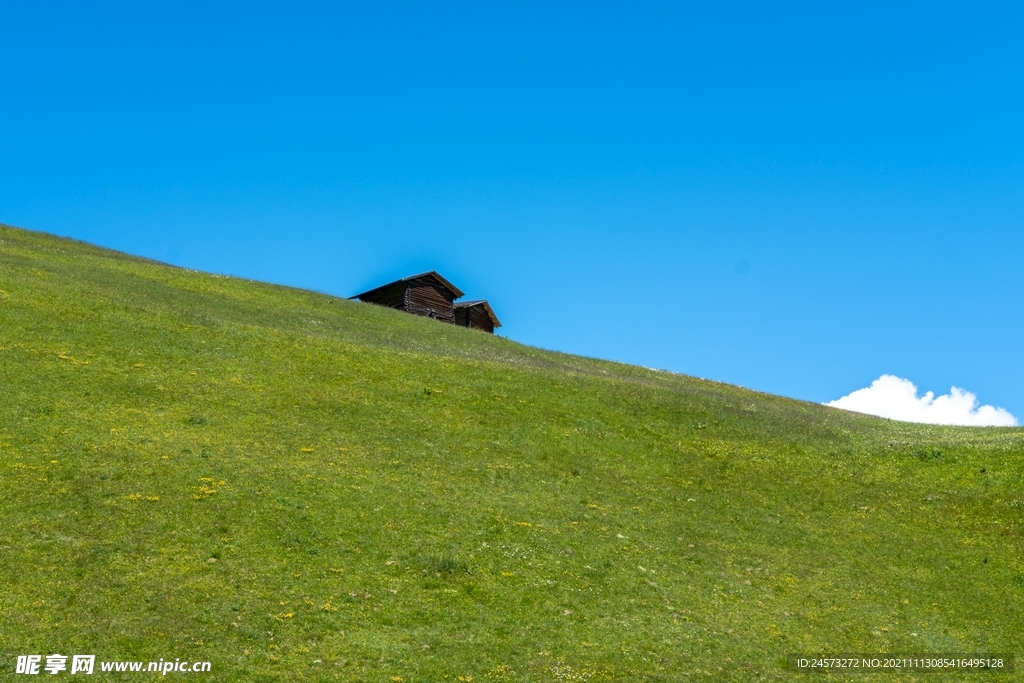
(392, 296)
(479, 320)
(474, 317)
(430, 300)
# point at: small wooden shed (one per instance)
(477, 315)
(426, 294)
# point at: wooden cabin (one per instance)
(476, 315)
(430, 295)
(426, 294)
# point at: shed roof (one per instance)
(483, 304)
(431, 274)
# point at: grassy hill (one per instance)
(298, 487)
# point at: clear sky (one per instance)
(793, 197)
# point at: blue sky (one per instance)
(793, 197)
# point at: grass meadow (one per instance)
(296, 487)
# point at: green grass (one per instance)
(298, 487)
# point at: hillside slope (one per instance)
(297, 487)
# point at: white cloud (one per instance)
(896, 398)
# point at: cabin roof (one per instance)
(481, 303)
(432, 274)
